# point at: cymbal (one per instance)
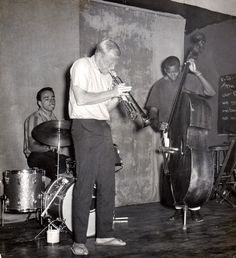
(53, 132)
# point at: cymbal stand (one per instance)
(3, 199)
(185, 217)
(58, 150)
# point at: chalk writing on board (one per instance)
(227, 104)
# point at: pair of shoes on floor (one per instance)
(177, 215)
(79, 249)
(196, 216)
(110, 241)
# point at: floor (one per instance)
(148, 233)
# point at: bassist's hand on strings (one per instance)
(207, 87)
(163, 126)
(193, 67)
(158, 126)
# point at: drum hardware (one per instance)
(58, 202)
(55, 133)
(58, 206)
(3, 197)
(64, 181)
(52, 223)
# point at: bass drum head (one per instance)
(67, 214)
(58, 200)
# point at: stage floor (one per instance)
(148, 233)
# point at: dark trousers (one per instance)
(48, 162)
(95, 163)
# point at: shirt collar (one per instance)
(92, 58)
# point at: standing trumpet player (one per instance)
(92, 97)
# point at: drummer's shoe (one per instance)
(196, 216)
(177, 215)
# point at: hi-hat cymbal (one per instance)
(53, 132)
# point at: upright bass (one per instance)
(189, 163)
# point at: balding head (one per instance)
(107, 55)
(108, 46)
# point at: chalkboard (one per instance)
(227, 104)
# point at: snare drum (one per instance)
(61, 207)
(23, 189)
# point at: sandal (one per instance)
(110, 241)
(79, 249)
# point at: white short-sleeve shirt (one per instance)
(85, 74)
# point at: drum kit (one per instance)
(25, 190)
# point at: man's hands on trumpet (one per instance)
(121, 90)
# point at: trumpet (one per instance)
(132, 108)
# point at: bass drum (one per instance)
(59, 194)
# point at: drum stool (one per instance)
(218, 154)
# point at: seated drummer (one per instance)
(37, 154)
